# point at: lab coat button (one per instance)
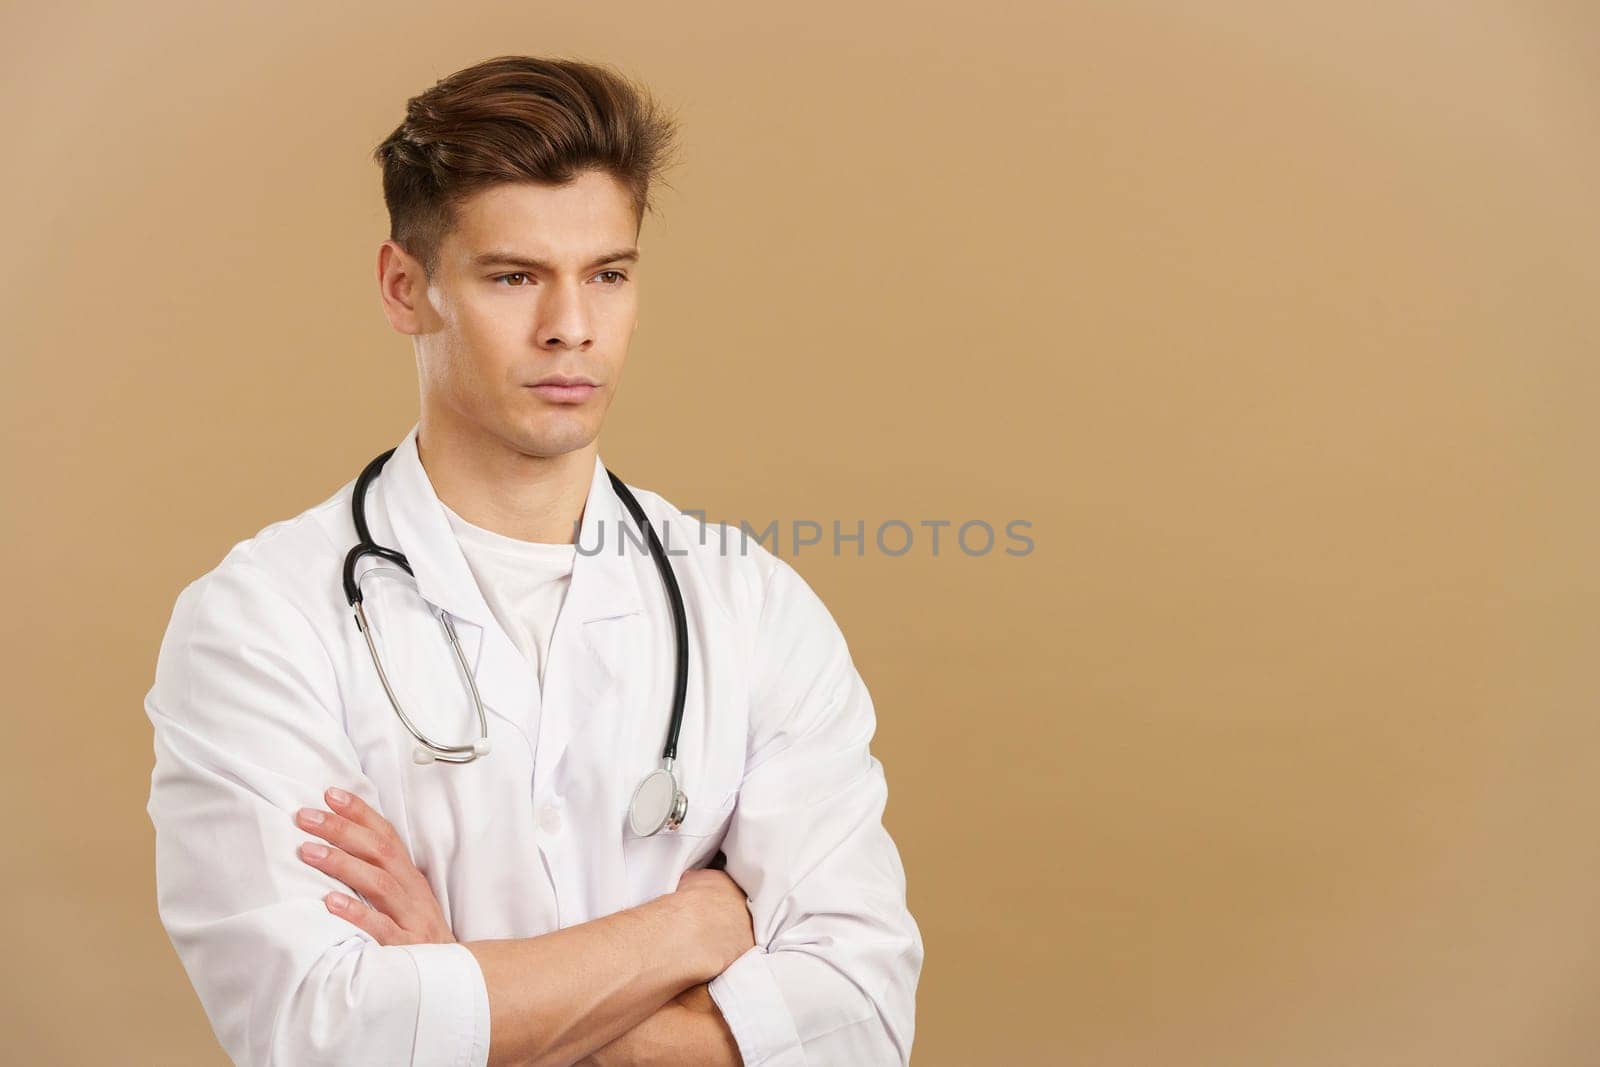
(550, 820)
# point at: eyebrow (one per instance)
(499, 257)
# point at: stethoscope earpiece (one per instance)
(422, 756)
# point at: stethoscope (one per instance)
(657, 802)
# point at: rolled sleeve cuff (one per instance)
(453, 1007)
(748, 996)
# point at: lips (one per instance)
(565, 379)
(558, 392)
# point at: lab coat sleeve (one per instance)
(832, 977)
(247, 720)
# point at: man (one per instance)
(342, 893)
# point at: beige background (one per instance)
(1278, 322)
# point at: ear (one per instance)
(402, 288)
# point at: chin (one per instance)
(550, 441)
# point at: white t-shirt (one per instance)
(524, 583)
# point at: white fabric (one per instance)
(524, 583)
(265, 695)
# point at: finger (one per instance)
(389, 851)
(360, 812)
(342, 833)
(382, 870)
(380, 926)
(374, 883)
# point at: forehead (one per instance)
(592, 211)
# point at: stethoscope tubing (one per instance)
(365, 546)
(680, 622)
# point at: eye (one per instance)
(620, 277)
(514, 274)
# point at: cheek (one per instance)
(625, 314)
(476, 327)
(478, 341)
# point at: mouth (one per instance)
(573, 391)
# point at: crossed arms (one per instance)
(247, 733)
(632, 990)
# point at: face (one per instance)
(534, 282)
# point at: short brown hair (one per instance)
(517, 119)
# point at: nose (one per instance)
(563, 320)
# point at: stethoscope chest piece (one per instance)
(657, 803)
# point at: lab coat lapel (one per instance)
(587, 655)
(422, 531)
(589, 647)
(425, 536)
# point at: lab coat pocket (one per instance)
(702, 820)
(655, 863)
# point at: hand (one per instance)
(720, 911)
(371, 859)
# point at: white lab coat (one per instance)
(265, 695)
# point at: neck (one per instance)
(490, 484)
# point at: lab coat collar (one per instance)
(602, 585)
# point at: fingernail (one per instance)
(311, 815)
(338, 796)
(312, 850)
(338, 900)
